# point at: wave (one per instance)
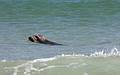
(74, 61)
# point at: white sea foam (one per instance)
(85, 73)
(43, 60)
(4, 60)
(114, 52)
(29, 65)
(73, 65)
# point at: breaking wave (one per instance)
(41, 65)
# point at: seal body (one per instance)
(41, 39)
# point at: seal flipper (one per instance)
(51, 43)
(39, 40)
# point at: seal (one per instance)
(38, 38)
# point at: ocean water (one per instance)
(88, 30)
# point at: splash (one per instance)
(29, 65)
(114, 52)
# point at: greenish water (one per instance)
(22, 9)
(85, 27)
(65, 65)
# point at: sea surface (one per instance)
(88, 29)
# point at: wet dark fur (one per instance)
(43, 42)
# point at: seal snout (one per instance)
(31, 39)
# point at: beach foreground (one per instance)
(95, 64)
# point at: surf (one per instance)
(95, 64)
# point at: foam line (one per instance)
(29, 66)
(114, 52)
(43, 60)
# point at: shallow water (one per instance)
(95, 64)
